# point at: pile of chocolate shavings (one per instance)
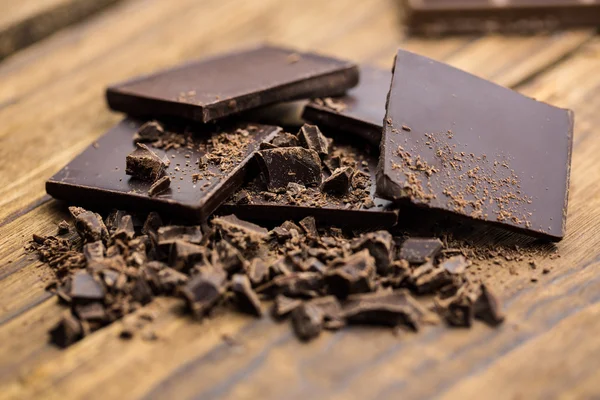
(319, 278)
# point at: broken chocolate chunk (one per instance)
(354, 276)
(124, 229)
(419, 250)
(297, 284)
(312, 138)
(173, 233)
(93, 251)
(455, 265)
(84, 287)
(230, 258)
(89, 225)
(428, 278)
(314, 265)
(309, 224)
(488, 307)
(183, 255)
(459, 312)
(332, 311)
(159, 186)
(339, 181)
(285, 139)
(144, 164)
(257, 271)
(63, 227)
(149, 132)
(289, 164)
(307, 321)
(284, 305)
(383, 308)
(203, 291)
(379, 244)
(66, 332)
(243, 234)
(141, 292)
(90, 312)
(246, 298)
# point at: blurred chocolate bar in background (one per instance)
(435, 17)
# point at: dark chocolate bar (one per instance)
(228, 84)
(360, 111)
(206, 166)
(468, 16)
(458, 143)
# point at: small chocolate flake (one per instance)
(159, 186)
(284, 305)
(63, 227)
(354, 276)
(149, 132)
(488, 307)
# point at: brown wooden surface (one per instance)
(24, 22)
(52, 106)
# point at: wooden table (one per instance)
(52, 106)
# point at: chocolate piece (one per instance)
(151, 131)
(63, 227)
(230, 258)
(227, 84)
(144, 164)
(488, 307)
(183, 255)
(492, 154)
(307, 321)
(312, 138)
(433, 17)
(170, 279)
(89, 224)
(90, 312)
(419, 250)
(233, 226)
(459, 312)
(281, 166)
(331, 308)
(339, 181)
(354, 276)
(284, 305)
(246, 298)
(159, 186)
(297, 284)
(257, 271)
(358, 208)
(85, 288)
(383, 308)
(364, 107)
(124, 229)
(203, 291)
(93, 251)
(285, 139)
(66, 332)
(173, 233)
(429, 278)
(455, 265)
(309, 225)
(96, 176)
(141, 292)
(379, 244)
(314, 265)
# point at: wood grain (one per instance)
(24, 22)
(62, 80)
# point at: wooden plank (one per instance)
(198, 347)
(25, 22)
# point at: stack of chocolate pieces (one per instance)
(372, 147)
